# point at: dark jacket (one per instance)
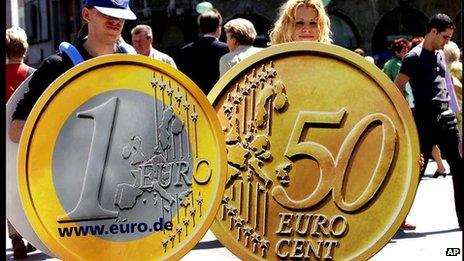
(50, 69)
(200, 61)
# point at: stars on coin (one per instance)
(179, 231)
(255, 237)
(185, 203)
(225, 200)
(239, 221)
(186, 106)
(232, 211)
(200, 203)
(172, 237)
(246, 89)
(236, 98)
(254, 82)
(162, 86)
(154, 83)
(169, 91)
(264, 245)
(271, 71)
(194, 116)
(179, 97)
(262, 76)
(165, 243)
(248, 230)
(186, 223)
(228, 108)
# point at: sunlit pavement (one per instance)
(432, 212)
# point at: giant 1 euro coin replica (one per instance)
(322, 155)
(121, 158)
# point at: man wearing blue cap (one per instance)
(104, 20)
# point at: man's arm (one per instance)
(16, 128)
(400, 81)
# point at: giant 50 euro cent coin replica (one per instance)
(322, 155)
(123, 158)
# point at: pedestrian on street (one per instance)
(454, 65)
(142, 40)
(199, 60)
(16, 72)
(425, 69)
(240, 34)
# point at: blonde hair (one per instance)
(242, 30)
(452, 52)
(16, 42)
(284, 26)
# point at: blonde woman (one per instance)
(301, 20)
(16, 70)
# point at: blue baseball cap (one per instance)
(114, 8)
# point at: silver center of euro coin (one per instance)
(122, 164)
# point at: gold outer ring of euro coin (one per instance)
(123, 158)
(323, 155)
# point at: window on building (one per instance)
(37, 20)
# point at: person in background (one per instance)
(359, 51)
(199, 60)
(301, 20)
(369, 59)
(240, 37)
(100, 35)
(399, 48)
(425, 69)
(16, 70)
(142, 40)
(452, 58)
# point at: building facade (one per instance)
(368, 24)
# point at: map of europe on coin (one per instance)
(122, 158)
(322, 155)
